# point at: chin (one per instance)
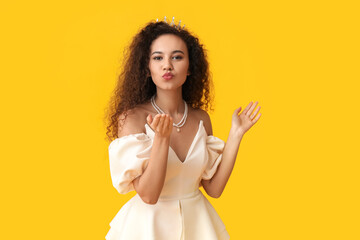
(169, 85)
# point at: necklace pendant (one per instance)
(178, 129)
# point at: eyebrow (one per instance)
(176, 51)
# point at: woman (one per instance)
(163, 147)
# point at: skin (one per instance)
(168, 53)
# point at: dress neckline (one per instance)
(200, 126)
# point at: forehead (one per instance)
(167, 43)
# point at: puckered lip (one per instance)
(168, 74)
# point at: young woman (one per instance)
(162, 144)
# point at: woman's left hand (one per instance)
(243, 122)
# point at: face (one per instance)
(168, 54)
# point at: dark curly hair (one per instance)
(134, 86)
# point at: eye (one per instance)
(157, 58)
(178, 57)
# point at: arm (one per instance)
(240, 124)
(150, 183)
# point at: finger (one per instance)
(149, 119)
(166, 123)
(254, 114)
(155, 122)
(251, 109)
(236, 112)
(247, 108)
(161, 122)
(256, 119)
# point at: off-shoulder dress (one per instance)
(182, 211)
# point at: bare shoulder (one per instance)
(134, 122)
(203, 115)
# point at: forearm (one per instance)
(239, 126)
(151, 182)
(216, 185)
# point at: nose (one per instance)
(167, 65)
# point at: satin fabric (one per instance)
(182, 211)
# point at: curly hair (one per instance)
(134, 86)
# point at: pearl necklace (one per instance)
(160, 111)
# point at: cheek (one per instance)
(185, 66)
(151, 67)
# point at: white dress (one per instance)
(182, 211)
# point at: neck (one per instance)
(170, 102)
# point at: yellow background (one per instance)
(297, 172)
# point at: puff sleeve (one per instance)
(214, 147)
(128, 156)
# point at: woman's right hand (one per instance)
(162, 124)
